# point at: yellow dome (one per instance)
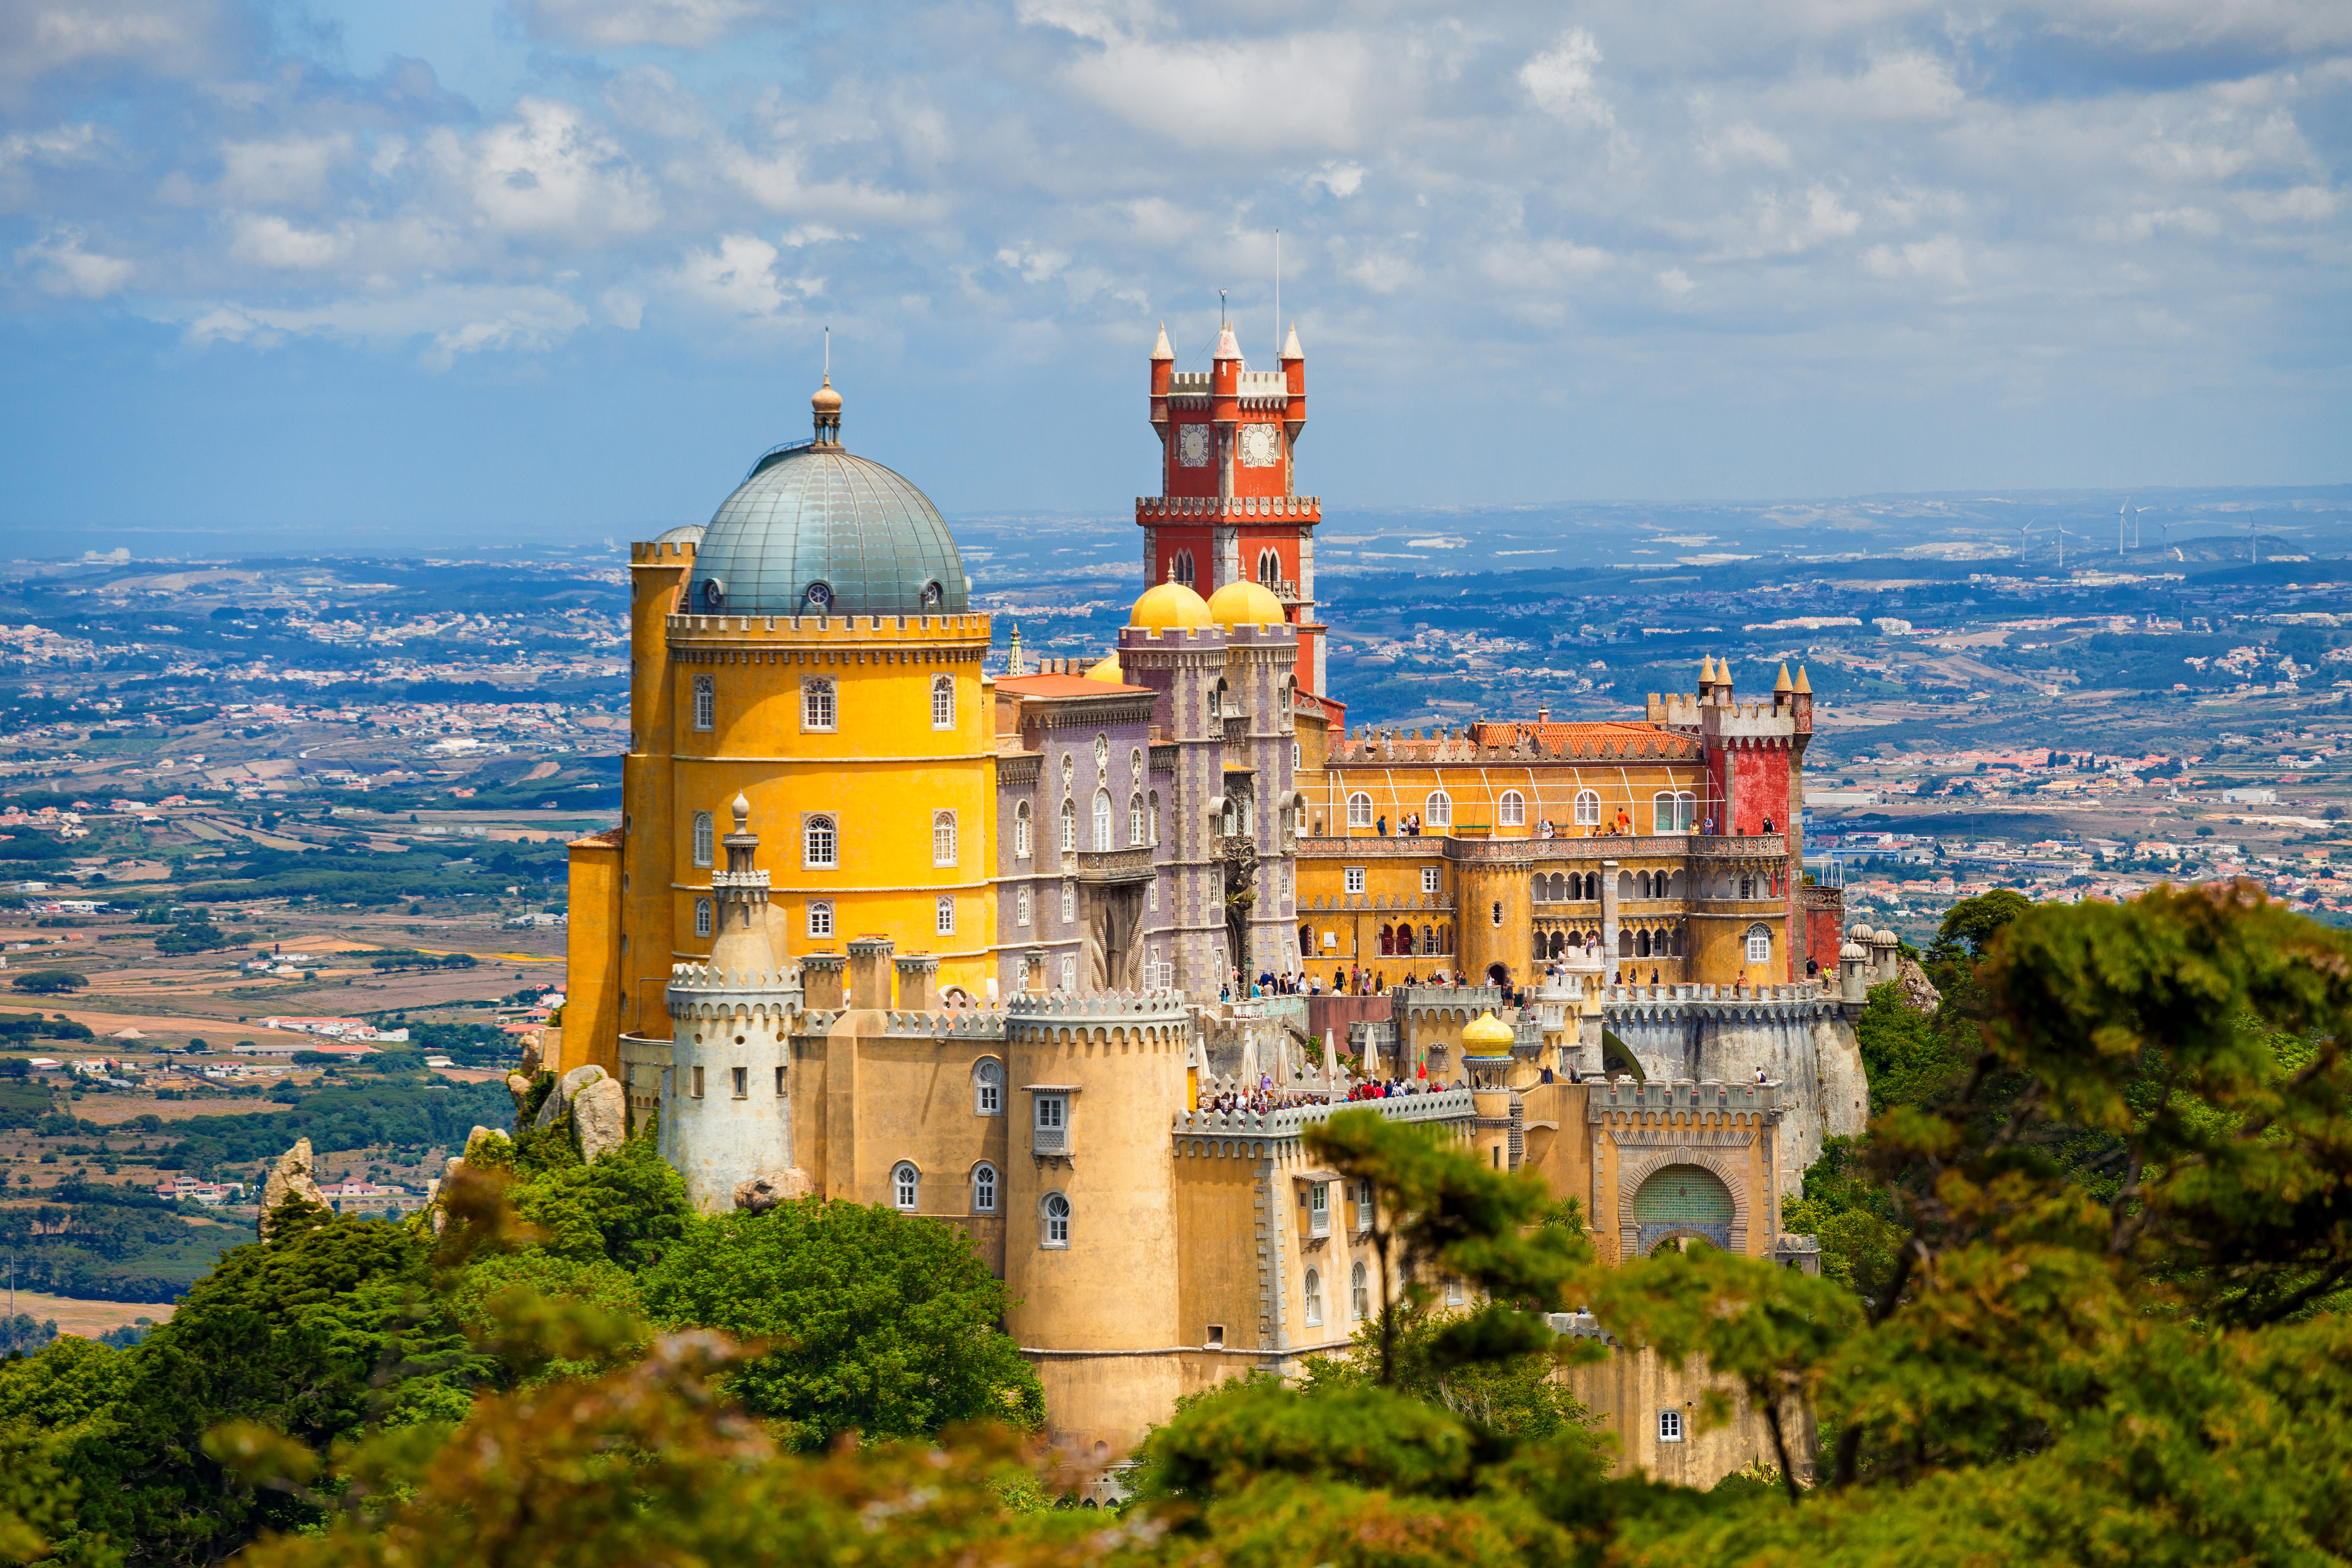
(1242, 603)
(1108, 669)
(1168, 605)
(1487, 1030)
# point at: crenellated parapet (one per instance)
(1287, 1121)
(1206, 508)
(1625, 1096)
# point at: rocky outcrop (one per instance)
(1918, 992)
(600, 1117)
(294, 1176)
(518, 1086)
(559, 1098)
(762, 1193)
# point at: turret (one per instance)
(1293, 377)
(1782, 691)
(825, 405)
(1163, 367)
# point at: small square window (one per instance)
(1355, 875)
(1429, 879)
(1670, 1425)
(819, 920)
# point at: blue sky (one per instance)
(558, 269)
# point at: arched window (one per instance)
(1184, 567)
(943, 917)
(906, 1186)
(1437, 811)
(706, 701)
(1022, 828)
(1102, 820)
(821, 846)
(1155, 816)
(1588, 808)
(1359, 1293)
(1135, 821)
(1269, 567)
(817, 709)
(1055, 1214)
(1359, 810)
(943, 838)
(1514, 809)
(1671, 812)
(1070, 902)
(1428, 939)
(820, 919)
(983, 1188)
(1021, 908)
(1314, 1298)
(702, 917)
(943, 703)
(1069, 826)
(1759, 943)
(702, 838)
(988, 1087)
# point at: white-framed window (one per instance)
(1102, 820)
(1670, 1425)
(1135, 822)
(1154, 809)
(1318, 1209)
(819, 844)
(1069, 826)
(1135, 767)
(1359, 810)
(1022, 830)
(1102, 755)
(1453, 1295)
(988, 1087)
(1363, 1205)
(1053, 1215)
(945, 914)
(983, 1188)
(1359, 1293)
(942, 702)
(1514, 812)
(1437, 811)
(702, 917)
(820, 919)
(1021, 908)
(1354, 878)
(1314, 1298)
(943, 838)
(1588, 808)
(1069, 972)
(1430, 878)
(1759, 943)
(818, 710)
(1672, 812)
(704, 838)
(706, 701)
(1070, 902)
(905, 1187)
(1298, 756)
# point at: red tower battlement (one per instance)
(1228, 506)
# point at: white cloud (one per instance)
(268, 240)
(1342, 180)
(549, 172)
(1778, 225)
(1743, 143)
(42, 38)
(1675, 281)
(1560, 82)
(454, 319)
(291, 171)
(2303, 203)
(1033, 265)
(1305, 90)
(1938, 260)
(623, 24)
(60, 265)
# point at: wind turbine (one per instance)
(2135, 521)
(2121, 513)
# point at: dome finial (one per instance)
(827, 403)
(743, 812)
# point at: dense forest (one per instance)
(2081, 1302)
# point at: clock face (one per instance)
(1192, 446)
(1261, 446)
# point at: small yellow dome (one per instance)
(1168, 605)
(1109, 669)
(1487, 1030)
(1242, 603)
(827, 400)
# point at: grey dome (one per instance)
(813, 517)
(684, 534)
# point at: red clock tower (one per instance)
(1228, 506)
